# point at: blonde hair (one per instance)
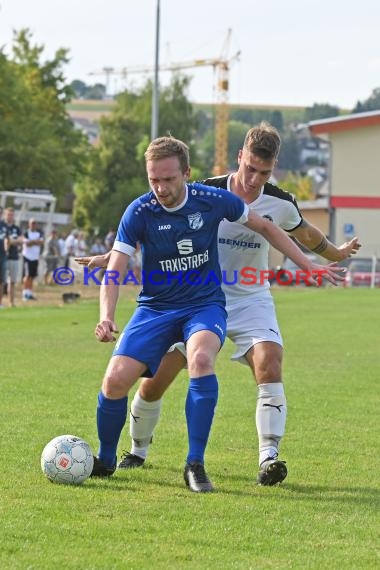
(263, 140)
(166, 147)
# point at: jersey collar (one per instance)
(249, 203)
(181, 205)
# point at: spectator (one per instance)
(3, 255)
(51, 257)
(81, 245)
(71, 244)
(98, 248)
(31, 250)
(109, 239)
(15, 242)
(62, 249)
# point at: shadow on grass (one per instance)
(132, 479)
(318, 493)
(360, 495)
(286, 491)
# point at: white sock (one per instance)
(270, 418)
(143, 419)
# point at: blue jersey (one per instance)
(179, 245)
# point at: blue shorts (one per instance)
(150, 333)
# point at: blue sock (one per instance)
(111, 416)
(200, 405)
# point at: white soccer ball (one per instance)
(67, 459)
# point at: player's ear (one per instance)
(187, 173)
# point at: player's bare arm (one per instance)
(109, 293)
(312, 237)
(94, 261)
(281, 241)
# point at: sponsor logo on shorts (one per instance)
(219, 328)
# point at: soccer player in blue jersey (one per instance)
(176, 224)
(252, 324)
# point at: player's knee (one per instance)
(113, 386)
(200, 363)
(150, 392)
(268, 371)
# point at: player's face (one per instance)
(167, 180)
(9, 216)
(253, 172)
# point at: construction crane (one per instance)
(221, 66)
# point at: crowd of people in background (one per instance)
(28, 256)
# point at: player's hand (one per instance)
(104, 330)
(349, 248)
(331, 272)
(92, 261)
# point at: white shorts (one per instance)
(250, 321)
(180, 346)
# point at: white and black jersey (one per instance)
(31, 252)
(240, 247)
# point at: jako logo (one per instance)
(185, 246)
(219, 328)
(168, 227)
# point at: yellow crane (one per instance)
(221, 66)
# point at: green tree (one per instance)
(83, 91)
(254, 116)
(236, 136)
(277, 120)
(243, 115)
(300, 186)
(116, 172)
(289, 154)
(39, 148)
(95, 92)
(79, 88)
(320, 111)
(370, 104)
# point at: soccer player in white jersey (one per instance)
(176, 225)
(251, 323)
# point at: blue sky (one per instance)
(297, 52)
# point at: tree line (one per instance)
(41, 148)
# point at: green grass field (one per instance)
(325, 515)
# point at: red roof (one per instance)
(345, 123)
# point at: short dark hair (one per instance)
(166, 147)
(263, 140)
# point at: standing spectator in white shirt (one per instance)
(31, 250)
(71, 244)
(81, 245)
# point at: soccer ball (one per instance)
(67, 459)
